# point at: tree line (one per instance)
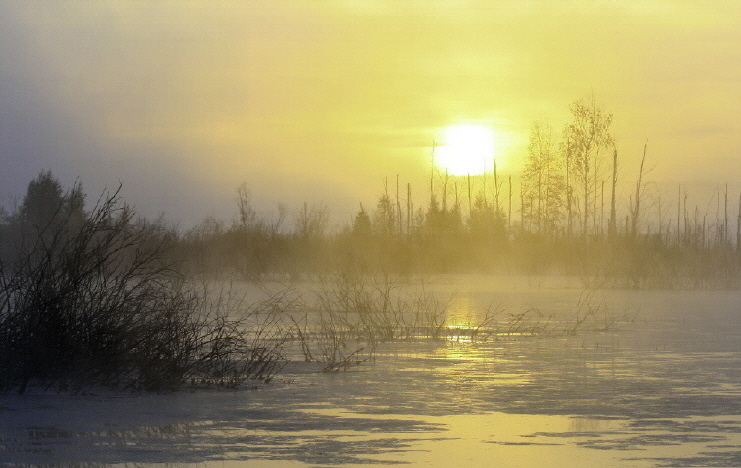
(562, 218)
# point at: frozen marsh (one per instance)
(663, 389)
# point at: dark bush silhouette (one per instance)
(93, 301)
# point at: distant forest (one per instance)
(561, 219)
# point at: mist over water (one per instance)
(661, 390)
(352, 233)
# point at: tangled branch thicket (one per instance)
(352, 314)
(92, 300)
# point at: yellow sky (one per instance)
(321, 100)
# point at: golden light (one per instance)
(467, 149)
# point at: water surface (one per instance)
(662, 390)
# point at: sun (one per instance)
(467, 149)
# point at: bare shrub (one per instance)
(352, 313)
(382, 307)
(329, 343)
(594, 315)
(95, 302)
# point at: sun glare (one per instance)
(467, 149)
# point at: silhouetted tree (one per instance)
(312, 221)
(248, 217)
(384, 218)
(361, 226)
(635, 201)
(43, 201)
(484, 221)
(612, 226)
(45, 208)
(543, 182)
(584, 139)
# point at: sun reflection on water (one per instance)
(475, 359)
(462, 319)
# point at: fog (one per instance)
(348, 233)
(322, 103)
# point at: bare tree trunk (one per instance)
(398, 207)
(496, 187)
(595, 187)
(636, 211)
(409, 208)
(679, 214)
(725, 224)
(522, 206)
(738, 225)
(432, 170)
(585, 219)
(445, 192)
(568, 197)
(540, 204)
(602, 211)
(611, 228)
(685, 234)
(509, 211)
(455, 190)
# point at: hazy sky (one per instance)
(314, 100)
